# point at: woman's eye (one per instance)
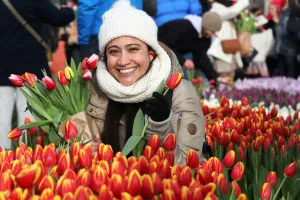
(113, 51)
(133, 49)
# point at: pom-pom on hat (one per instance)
(212, 21)
(125, 20)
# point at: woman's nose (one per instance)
(124, 60)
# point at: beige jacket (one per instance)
(186, 119)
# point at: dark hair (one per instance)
(226, 3)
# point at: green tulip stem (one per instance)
(279, 188)
(145, 127)
(41, 95)
(233, 189)
(166, 91)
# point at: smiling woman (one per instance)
(131, 69)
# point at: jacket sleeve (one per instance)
(86, 14)
(195, 7)
(54, 16)
(228, 13)
(190, 128)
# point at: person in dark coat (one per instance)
(20, 52)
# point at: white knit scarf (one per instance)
(141, 89)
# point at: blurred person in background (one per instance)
(20, 52)
(226, 64)
(89, 21)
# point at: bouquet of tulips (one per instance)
(246, 21)
(264, 142)
(53, 100)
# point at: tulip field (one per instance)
(252, 151)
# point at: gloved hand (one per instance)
(158, 107)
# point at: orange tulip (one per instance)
(265, 191)
(70, 131)
(154, 142)
(169, 142)
(192, 159)
(15, 134)
(237, 172)
(242, 197)
(46, 182)
(30, 79)
(272, 178)
(174, 80)
(229, 159)
(147, 189)
(290, 170)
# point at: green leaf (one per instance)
(56, 120)
(39, 108)
(131, 144)
(161, 86)
(140, 147)
(54, 137)
(34, 124)
(138, 123)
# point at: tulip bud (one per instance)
(19, 193)
(160, 153)
(237, 188)
(84, 178)
(16, 80)
(68, 185)
(126, 196)
(99, 178)
(105, 193)
(211, 187)
(6, 182)
(186, 176)
(174, 80)
(290, 170)
(83, 64)
(169, 142)
(68, 196)
(49, 157)
(229, 123)
(92, 61)
(30, 79)
(242, 197)
(84, 158)
(64, 163)
(81, 193)
(134, 183)
(39, 141)
(265, 191)
(272, 178)
(86, 75)
(192, 159)
(229, 159)
(117, 168)
(237, 172)
(204, 177)
(15, 134)
(62, 78)
(49, 83)
(147, 189)
(144, 165)
(69, 73)
(154, 142)
(148, 152)
(164, 169)
(158, 185)
(197, 194)
(245, 101)
(28, 176)
(168, 195)
(70, 131)
(33, 130)
(117, 185)
(222, 183)
(185, 193)
(170, 157)
(46, 182)
(107, 153)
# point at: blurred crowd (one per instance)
(222, 40)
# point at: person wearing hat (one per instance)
(132, 66)
(192, 34)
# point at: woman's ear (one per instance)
(151, 55)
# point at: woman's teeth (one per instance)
(124, 71)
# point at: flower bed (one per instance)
(282, 91)
(254, 155)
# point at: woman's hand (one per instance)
(158, 107)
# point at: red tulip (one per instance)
(30, 79)
(272, 178)
(186, 176)
(144, 165)
(204, 177)
(68, 196)
(170, 142)
(6, 182)
(33, 130)
(85, 158)
(158, 185)
(16, 80)
(117, 168)
(153, 167)
(105, 193)
(160, 153)
(211, 187)
(83, 64)
(229, 123)
(84, 178)
(192, 159)
(265, 191)
(62, 78)
(86, 75)
(168, 195)
(154, 142)
(164, 169)
(99, 178)
(81, 193)
(37, 153)
(126, 196)
(174, 80)
(222, 183)
(68, 185)
(64, 163)
(70, 131)
(148, 152)
(117, 185)
(229, 159)
(46, 182)
(15, 134)
(197, 194)
(147, 189)
(237, 188)
(290, 170)
(237, 172)
(134, 183)
(19, 193)
(49, 157)
(92, 61)
(49, 83)
(16, 166)
(185, 193)
(107, 153)
(28, 176)
(245, 101)
(170, 157)
(274, 111)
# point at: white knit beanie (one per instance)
(125, 20)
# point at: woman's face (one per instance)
(273, 10)
(128, 59)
